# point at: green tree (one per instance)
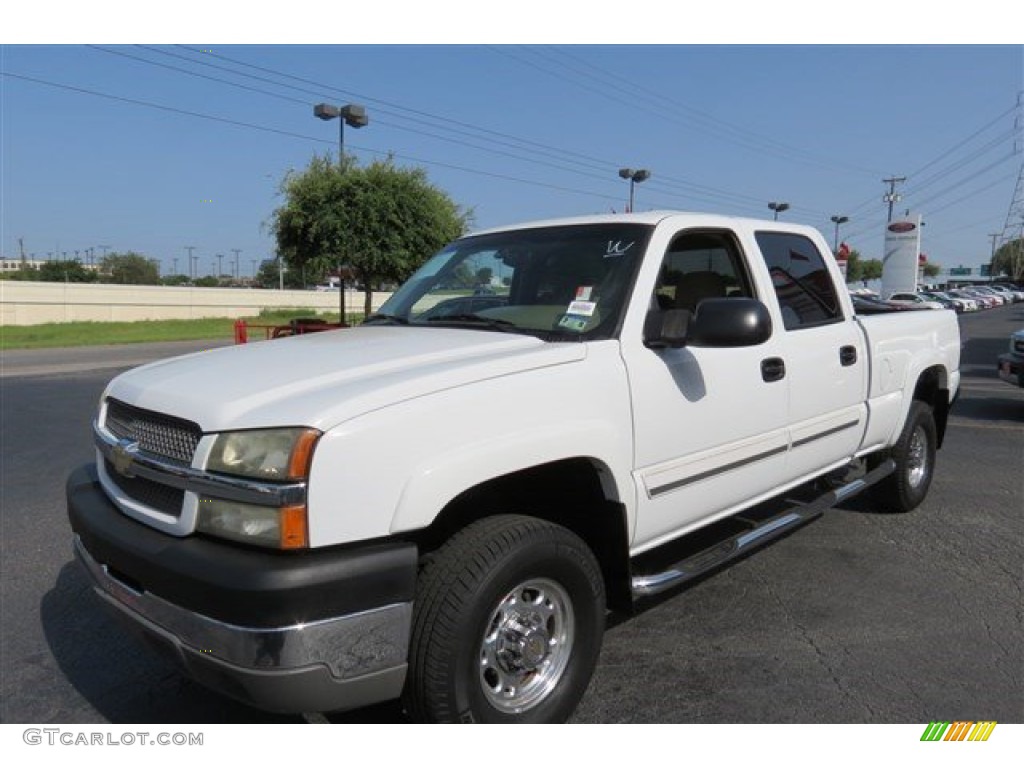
(130, 268)
(932, 270)
(380, 221)
(174, 280)
(1009, 259)
(872, 269)
(854, 266)
(70, 271)
(859, 269)
(268, 277)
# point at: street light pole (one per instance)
(355, 116)
(634, 177)
(778, 208)
(891, 197)
(837, 220)
(351, 114)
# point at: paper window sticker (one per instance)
(573, 323)
(584, 308)
(584, 292)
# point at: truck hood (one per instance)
(322, 379)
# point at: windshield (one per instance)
(552, 282)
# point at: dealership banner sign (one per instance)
(902, 250)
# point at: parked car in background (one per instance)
(999, 297)
(947, 303)
(1011, 364)
(913, 299)
(961, 303)
(984, 302)
(1013, 294)
(870, 304)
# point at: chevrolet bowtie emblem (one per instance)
(123, 456)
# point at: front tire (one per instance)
(507, 626)
(914, 454)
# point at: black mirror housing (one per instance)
(730, 322)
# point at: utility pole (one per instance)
(891, 197)
(238, 269)
(220, 265)
(188, 248)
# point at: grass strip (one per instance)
(81, 334)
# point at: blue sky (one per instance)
(513, 131)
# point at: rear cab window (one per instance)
(803, 285)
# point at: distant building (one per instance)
(9, 265)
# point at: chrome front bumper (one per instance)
(331, 664)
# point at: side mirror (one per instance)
(731, 322)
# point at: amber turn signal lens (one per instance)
(294, 527)
(302, 454)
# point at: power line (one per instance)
(681, 114)
(597, 166)
(319, 140)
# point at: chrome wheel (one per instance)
(526, 645)
(917, 457)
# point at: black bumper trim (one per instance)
(234, 584)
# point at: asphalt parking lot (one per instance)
(858, 617)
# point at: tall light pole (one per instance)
(778, 208)
(837, 220)
(220, 265)
(355, 116)
(188, 248)
(634, 177)
(891, 197)
(238, 269)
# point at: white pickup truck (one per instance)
(442, 504)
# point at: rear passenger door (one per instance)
(824, 354)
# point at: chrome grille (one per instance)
(158, 434)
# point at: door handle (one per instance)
(847, 355)
(773, 369)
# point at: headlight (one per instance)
(279, 527)
(264, 454)
(270, 456)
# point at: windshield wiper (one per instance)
(491, 322)
(386, 318)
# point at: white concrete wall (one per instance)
(28, 303)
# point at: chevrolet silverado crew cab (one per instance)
(442, 504)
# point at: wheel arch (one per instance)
(932, 388)
(576, 493)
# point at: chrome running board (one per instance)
(758, 534)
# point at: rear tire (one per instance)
(507, 625)
(914, 454)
